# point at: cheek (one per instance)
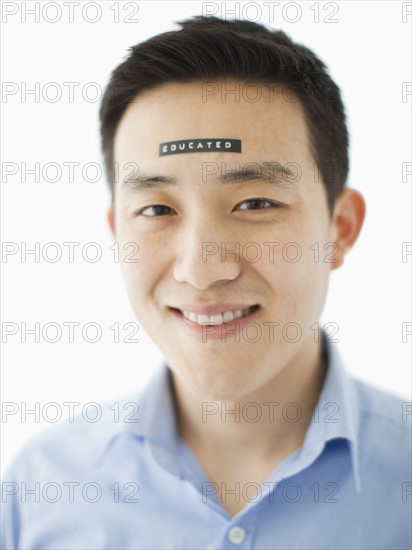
(143, 262)
(297, 273)
(309, 278)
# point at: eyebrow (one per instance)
(273, 173)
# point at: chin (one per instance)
(221, 386)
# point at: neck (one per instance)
(271, 420)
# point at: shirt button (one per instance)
(237, 535)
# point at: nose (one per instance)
(206, 254)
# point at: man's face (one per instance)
(184, 244)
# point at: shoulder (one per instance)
(385, 424)
(383, 407)
(73, 444)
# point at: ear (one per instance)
(347, 221)
(110, 220)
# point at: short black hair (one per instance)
(211, 49)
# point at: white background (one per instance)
(367, 51)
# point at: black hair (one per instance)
(210, 49)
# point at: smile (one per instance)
(219, 318)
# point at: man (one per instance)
(226, 150)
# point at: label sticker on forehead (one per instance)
(224, 145)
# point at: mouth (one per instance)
(217, 319)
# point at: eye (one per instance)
(156, 208)
(258, 204)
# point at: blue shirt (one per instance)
(127, 481)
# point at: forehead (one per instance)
(263, 117)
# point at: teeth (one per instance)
(228, 316)
(218, 318)
(202, 319)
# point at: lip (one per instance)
(215, 332)
(212, 309)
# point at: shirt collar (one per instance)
(156, 421)
(335, 416)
